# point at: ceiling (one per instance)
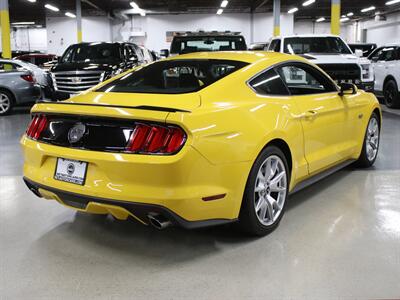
(22, 10)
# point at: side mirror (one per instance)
(359, 53)
(347, 89)
(164, 52)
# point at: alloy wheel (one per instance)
(372, 139)
(4, 103)
(390, 94)
(270, 190)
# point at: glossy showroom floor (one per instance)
(339, 239)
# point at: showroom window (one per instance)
(269, 83)
(302, 79)
(174, 77)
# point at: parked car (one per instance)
(38, 59)
(200, 139)
(258, 46)
(16, 53)
(386, 63)
(366, 48)
(202, 41)
(331, 54)
(85, 65)
(147, 54)
(17, 86)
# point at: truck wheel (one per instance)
(391, 94)
(6, 102)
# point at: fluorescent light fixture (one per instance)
(292, 10)
(343, 16)
(350, 14)
(71, 15)
(220, 11)
(320, 20)
(134, 5)
(308, 2)
(51, 7)
(345, 19)
(392, 2)
(32, 1)
(368, 9)
(224, 3)
(23, 23)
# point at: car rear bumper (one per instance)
(178, 186)
(29, 95)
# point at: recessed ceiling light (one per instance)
(368, 9)
(320, 19)
(292, 10)
(51, 7)
(224, 3)
(350, 14)
(23, 23)
(308, 2)
(392, 2)
(220, 11)
(71, 15)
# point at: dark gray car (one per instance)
(17, 87)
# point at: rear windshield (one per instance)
(181, 45)
(174, 76)
(94, 53)
(320, 45)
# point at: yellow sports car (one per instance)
(200, 139)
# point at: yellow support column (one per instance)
(335, 17)
(5, 29)
(277, 17)
(79, 20)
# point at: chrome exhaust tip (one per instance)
(158, 221)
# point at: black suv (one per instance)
(200, 41)
(84, 65)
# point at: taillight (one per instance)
(36, 126)
(156, 139)
(29, 78)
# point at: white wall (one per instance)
(28, 39)
(156, 26)
(61, 32)
(383, 32)
(307, 27)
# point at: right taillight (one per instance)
(156, 139)
(29, 78)
(36, 126)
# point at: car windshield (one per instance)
(173, 76)
(325, 45)
(93, 53)
(181, 45)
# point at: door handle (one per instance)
(310, 114)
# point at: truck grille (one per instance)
(339, 72)
(74, 82)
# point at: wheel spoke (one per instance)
(277, 178)
(271, 203)
(263, 209)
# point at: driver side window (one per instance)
(302, 79)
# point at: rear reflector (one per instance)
(36, 126)
(156, 139)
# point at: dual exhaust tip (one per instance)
(158, 221)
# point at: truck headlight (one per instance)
(366, 72)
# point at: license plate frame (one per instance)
(71, 171)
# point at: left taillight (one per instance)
(36, 127)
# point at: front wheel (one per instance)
(267, 188)
(6, 103)
(370, 148)
(391, 94)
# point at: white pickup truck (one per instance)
(386, 64)
(331, 54)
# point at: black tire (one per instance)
(248, 219)
(364, 161)
(10, 98)
(391, 94)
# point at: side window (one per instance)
(387, 54)
(303, 79)
(6, 67)
(275, 45)
(269, 83)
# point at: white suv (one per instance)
(331, 54)
(386, 64)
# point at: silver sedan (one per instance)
(17, 87)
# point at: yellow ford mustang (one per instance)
(200, 139)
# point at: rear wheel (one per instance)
(391, 94)
(266, 192)
(371, 143)
(6, 102)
